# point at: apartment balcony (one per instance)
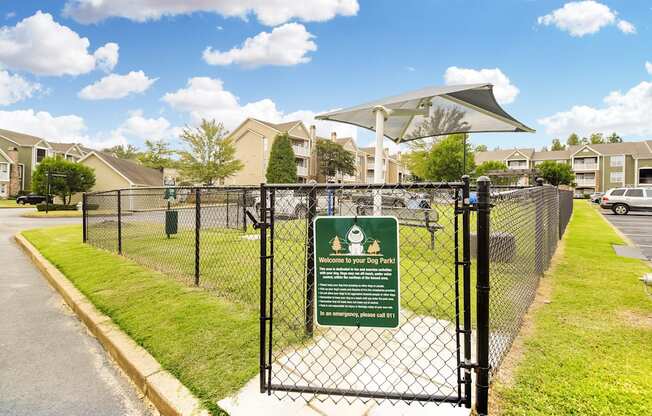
(585, 183)
(302, 170)
(585, 166)
(517, 166)
(349, 178)
(301, 151)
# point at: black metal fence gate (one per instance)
(428, 357)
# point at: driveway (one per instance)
(637, 226)
(49, 363)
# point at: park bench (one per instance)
(409, 217)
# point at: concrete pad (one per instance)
(418, 409)
(629, 252)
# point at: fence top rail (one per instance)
(163, 188)
(420, 185)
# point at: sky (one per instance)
(107, 72)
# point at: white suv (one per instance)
(623, 200)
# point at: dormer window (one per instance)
(40, 154)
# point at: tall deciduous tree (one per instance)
(67, 178)
(596, 138)
(556, 173)
(573, 140)
(211, 154)
(333, 158)
(490, 168)
(481, 148)
(129, 152)
(614, 138)
(442, 160)
(281, 167)
(556, 145)
(157, 154)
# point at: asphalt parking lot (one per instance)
(635, 225)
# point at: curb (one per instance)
(167, 394)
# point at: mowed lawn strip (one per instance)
(207, 342)
(589, 350)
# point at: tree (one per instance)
(544, 149)
(336, 245)
(129, 152)
(281, 167)
(573, 140)
(67, 178)
(333, 158)
(556, 173)
(556, 145)
(374, 248)
(211, 155)
(596, 138)
(493, 166)
(443, 160)
(614, 138)
(481, 148)
(157, 154)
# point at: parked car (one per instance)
(293, 204)
(595, 197)
(623, 200)
(32, 199)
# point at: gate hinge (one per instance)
(464, 331)
(462, 263)
(269, 257)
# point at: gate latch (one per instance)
(254, 221)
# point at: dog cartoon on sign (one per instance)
(355, 238)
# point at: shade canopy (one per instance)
(432, 111)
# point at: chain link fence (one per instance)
(470, 264)
(202, 236)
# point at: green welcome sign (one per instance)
(357, 271)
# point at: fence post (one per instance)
(119, 222)
(244, 210)
(263, 284)
(482, 293)
(310, 264)
(539, 260)
(197, 228)
(466, 283)
(227, 209)
(84, 218)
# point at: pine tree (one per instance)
(281, 167)
(336, 245)
(374, 247)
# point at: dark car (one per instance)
(32, 199)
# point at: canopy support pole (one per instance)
(380, 113)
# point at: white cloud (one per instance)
(205, 97)
(116, 86)
(43, 46)
(286, 45)
(580, 18)
(139, 127)
(648, 67)
(14, 88)
(268, 12)
(106, 57)
(626, 113)
(504, 90)
(43, 124)
(626, 27)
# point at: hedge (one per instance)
(56, 207)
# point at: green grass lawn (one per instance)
(208, 342)
(9, 203)
(588, 352)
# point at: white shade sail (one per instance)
(433, 111)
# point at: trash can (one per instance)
(171, 222)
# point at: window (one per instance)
(634, 193)
(618, 192)
(4, 171)
(3, 189)
(616, 177)
(40, 155)
(617, 161)
(649, 193)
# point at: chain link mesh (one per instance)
(225, 244)
(416, 361)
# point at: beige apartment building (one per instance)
(253, 140)
(597, 167)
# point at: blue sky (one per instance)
(558, 66)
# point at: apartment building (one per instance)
(253, 140)
(20, 154)
(597, 167)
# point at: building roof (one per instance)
(282, 127)
(62, 147)
(21, 138)
(500, 154)
(134, 172)
(554, 154)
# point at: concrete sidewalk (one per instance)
(49, 364)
